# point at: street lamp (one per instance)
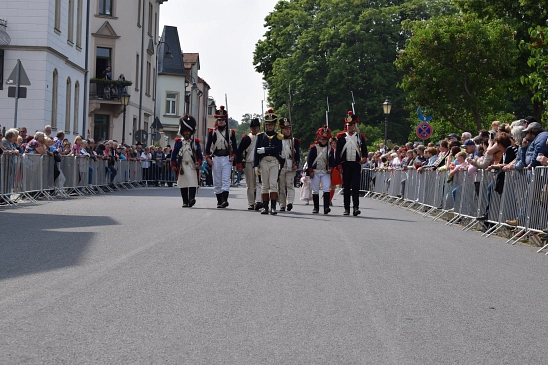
(124, 99)
(386, 106)
(168, 55)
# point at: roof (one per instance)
(190, 59)
(174, 65)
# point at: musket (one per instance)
(357, 127)
(291, 133)
(227, 129)
(327, 113)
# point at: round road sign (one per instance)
(424, 130)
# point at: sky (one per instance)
(224, 33)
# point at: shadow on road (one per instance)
(37, 245)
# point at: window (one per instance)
(139, 13)
(153, 84)
(150, 12)
(171, 103)
(70, 32)
(105, 7)
(102, 61)
(57, 24)
(54, 92)
(209, 110)
(76, 106)
(79, 24)
(147, 89)
(67, 106)
(155, 26)
(1, 69)
(137, 69)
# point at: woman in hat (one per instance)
(186, 159)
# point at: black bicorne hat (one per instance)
(255, 122)
(187, 123)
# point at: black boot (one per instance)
(225, 199)
(356, 211)
(219, 200)
(258, 205)
(326, 200)
(273, 201)
(184, 195)
(316, 200)
(265, 207)
(191, 196)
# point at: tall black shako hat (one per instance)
(255, 122)
(270, 117)
(351, 118)
(284, 123)
(187, 123)
(221, 113)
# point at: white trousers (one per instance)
(221, 170)
(269, 174)
(251, 183)
(322, 177)
(287, 187)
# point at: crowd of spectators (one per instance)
(523, 144)
(17, 141)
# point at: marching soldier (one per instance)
(220, 153)
(351, 155)
(267, 157)
(318, 169)
(290, 154)
(246, 153)
(186, 159)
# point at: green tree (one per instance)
(537, 79)
(243, 127)
(332, 48)
(460, 66)
(521, 16)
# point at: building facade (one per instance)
(123, 36)
(49, 38)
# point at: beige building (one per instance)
(124, 37)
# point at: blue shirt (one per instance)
(536, 147)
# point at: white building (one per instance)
(49, 37)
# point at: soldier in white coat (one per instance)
(186, 159)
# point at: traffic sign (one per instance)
(156, 136)
(22, 92)
(23, 78)
(141, 136)
(424, 130)
(422, 117)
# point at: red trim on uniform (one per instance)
(197, 140)
(178, 139)
(239, 166)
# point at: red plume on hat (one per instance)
(324, 132)
(351, 118)
(270, 117)
(221, 113)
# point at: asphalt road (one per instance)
(133, 278)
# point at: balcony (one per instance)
(101, 89)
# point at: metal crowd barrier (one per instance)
(33, 177)
(522, 205)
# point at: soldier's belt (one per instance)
(187, 163)
(220, 153)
